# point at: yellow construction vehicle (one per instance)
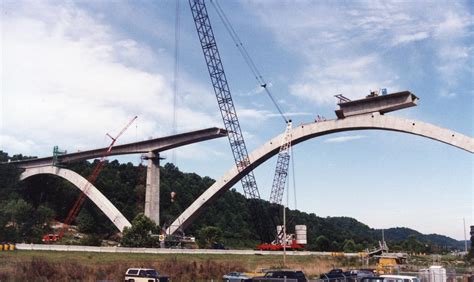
(390, 263)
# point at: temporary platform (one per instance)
(375, 103)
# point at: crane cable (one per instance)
(247, 58)
(175, 75)
(251, 64)
(258, 76)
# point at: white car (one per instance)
(399, 278)
(144, 275)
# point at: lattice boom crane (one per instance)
(281, 170)
(74, 211)
(224, 98)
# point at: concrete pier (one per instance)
(152, 192)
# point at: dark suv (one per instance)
(285, 275)
(333, 275)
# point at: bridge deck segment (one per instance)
(153, 145)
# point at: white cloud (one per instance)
(25, 146)
(353, 78)
(353, 47)
(201, 152)
(253, 114)
(453, 61)
(448, 94)
(291, 114)
(454, 55)
(407, 38)
(342, 139)
(69, 78)
(258, 89)
(454, 23)
(256, 117)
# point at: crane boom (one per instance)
(281, 170)
(224, 98)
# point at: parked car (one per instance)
(236, 277)
(358, 273)
(399, 278)
(372, 279)
(282, 275)
(333, 274)
(144, 275)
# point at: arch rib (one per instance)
(308, 131)
(92, 192)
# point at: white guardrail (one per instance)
(75, 248)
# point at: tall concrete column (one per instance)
(152, 194)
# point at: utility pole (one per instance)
(465, 240)
(284, 236)
(284, 221)
(383, 241)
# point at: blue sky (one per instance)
(75, 70)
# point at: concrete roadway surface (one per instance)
(75, 248)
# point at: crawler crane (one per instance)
(74, 211)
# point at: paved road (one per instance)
(73, 248)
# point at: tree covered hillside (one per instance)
(27, 207)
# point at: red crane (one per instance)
(74, 211)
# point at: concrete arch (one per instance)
(92, 192)
(308, 131)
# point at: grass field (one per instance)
(67, 266)
(82, 266)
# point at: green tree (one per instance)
(140, 233)
(90, 240)
(470, 254)
(349, 246)
(20, 216)
(3, 156)
(335, 246)
(86, 223)
(44, 214)
(9, 184)
(21, 222)
(323, 243)
(124, 185)
(412, 244)
(209, 235)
